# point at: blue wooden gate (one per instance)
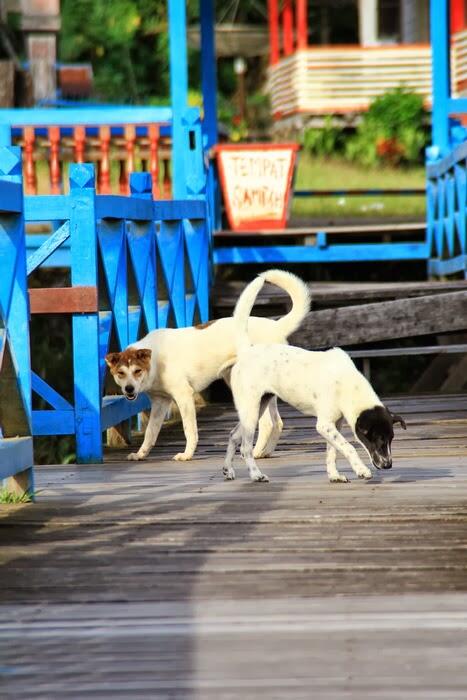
(16, 455)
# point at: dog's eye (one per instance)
(120, 375)
(137, 372)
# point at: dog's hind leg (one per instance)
(185, 401)
(159, 408)
(249, 420)
(234, 441)
(333, 437)
(269, 430)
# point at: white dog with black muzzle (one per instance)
(323, 384)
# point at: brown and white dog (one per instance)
(176, 363)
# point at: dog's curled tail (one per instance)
(290, 283)
(298, 292)
(242, 312)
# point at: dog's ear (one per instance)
(112, 359)
(396, 418)
(143, 355)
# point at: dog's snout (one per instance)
(382, 463)
(129, 389)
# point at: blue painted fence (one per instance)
(446, 212)
(16, 454)
(149, 262)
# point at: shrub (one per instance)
(392, 131)
(325, 141)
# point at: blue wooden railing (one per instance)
(137, 255)
(16, 454)
(135, 264)
(446, 212)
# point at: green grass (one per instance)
(6, 497)
(335, 173)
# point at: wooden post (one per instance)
(85, 326)
(302, 23)
(274, 46)
(368, 22)
(79, 143)
(153, 133)
(16, 457)
(54, 163)
(179, 92)
(104, 170)
(288, 28)
(457, 15)
(30, 176)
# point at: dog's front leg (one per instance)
(331, 457)
(334, 475)
(186, 404)
(333, 437)
(247, 453)
(159, 407)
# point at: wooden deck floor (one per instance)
(160, 580)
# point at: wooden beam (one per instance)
(273, 15)
(63, 300)
(288, 28)
(302, 23)
(386, 320)
(457, 16)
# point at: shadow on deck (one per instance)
(160, 580)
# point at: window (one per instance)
(333, 21)
(389, 21)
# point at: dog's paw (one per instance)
(365, 473)
(229, 473)
(183, 456)
(135, 457)
(338, 479)
(260, 453)
(262, 478)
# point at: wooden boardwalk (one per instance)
(160, 580)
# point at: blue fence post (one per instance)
(441, 73)
(208, 71)
(83, 241)
(179, 92)
(5, 135)
(195, 167)
(142, 244)
(16, 454)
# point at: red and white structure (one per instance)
(387, 45)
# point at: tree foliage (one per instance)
(125, 40)
(127, 43)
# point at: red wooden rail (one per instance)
(150, 153)
(63, 300)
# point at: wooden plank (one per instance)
(385, 320)
(15, 455)
(64, 300)
(341, 252)
(48, 247)
(360, 230)
(158, 579)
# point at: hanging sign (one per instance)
(256, 180)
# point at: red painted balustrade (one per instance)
(116, 154)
